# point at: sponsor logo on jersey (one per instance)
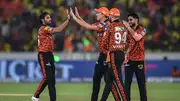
(119, 29)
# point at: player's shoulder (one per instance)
(101, 24)
(42, 28)
(48, 28)
(45, 28)
(142, 28)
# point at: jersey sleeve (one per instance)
(107, 35)
(101, 27)
(48, 29)
(142, 32)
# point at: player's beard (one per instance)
(132, 25)
(47, 22)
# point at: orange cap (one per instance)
(102, 10)
(115, 12)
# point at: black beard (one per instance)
(133, 25)
(47, 23)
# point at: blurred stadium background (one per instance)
(76, 48)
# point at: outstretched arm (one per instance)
(80, 21)
(62, 26)
(77, 14)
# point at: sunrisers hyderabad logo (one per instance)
(140, 66)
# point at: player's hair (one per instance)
(134, 15)
(42, 16)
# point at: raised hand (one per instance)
(68, 14)
(72, 14)
(126, 24)
(76, 12)
(125, 60)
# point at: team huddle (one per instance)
(120, 43)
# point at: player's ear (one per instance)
(42, 20)
(136, 20)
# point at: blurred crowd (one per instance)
(19, 23)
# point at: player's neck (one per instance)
(134, 27)
(44, 25)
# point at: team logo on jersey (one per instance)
(48, 28)
(119, 29)
(143, 32)
(140, 66)
(105, 63)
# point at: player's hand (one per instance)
(126, 24)
(77, 13)
(125, 60)
(72, 14)
(68, 14)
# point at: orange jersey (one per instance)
(117, 37)
(137, 50)
(45, 40)
(103, 27)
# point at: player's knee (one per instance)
(50, 77)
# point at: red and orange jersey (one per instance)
(117, 37)
(137, 50)
(103, 27)
(45, 39)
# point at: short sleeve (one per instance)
(102, 27)
(142, 32)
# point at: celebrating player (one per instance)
(100, 26)
(45, 55)
(136, 57)
(117, 38)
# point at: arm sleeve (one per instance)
(142, 32)
(101, 27)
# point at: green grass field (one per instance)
(82, 92)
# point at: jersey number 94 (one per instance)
(120, 38)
